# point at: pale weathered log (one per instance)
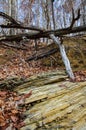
(58, 108)
(60, 104)
(43, 79)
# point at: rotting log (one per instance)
(43, 54)
(11, 83)
(60, 104)
(43, 79)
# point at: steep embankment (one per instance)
(76, 52)
(13, 61)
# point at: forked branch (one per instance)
(74, 19)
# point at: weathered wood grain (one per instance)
(56, 104)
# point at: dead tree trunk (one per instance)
(64, 56)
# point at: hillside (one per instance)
(51, 100)
(13, 61)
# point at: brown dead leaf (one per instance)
(5, 127)
(14, 119)
(10, 113)
(3, 93)
(1, 103)
(15, 111)
(20, 125)
(2, 120)
(17, 98)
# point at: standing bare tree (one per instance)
(50, 11)
(84, 12)
(12, 11)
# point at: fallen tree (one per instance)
(42, 54)
(55, 35)
(45, 34)
(37, 32)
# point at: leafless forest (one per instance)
(42, 64)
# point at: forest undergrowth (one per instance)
(13, 62)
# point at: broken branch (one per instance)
(14, 24)
(9, 18)
(74, 19)
(42, 55)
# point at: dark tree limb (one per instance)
(74, 19)
(14, 24)
(45, 34)
(42, 55)
(9, 18)
(22, 27)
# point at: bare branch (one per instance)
(74, 19)
(14, 24)
(34, 28)
(9, 18)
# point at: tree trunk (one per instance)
(53, 17)
(12, 12)
(64, 56)
(84, 10)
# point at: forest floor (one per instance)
(43, 85)
(13, 64)
(13, 61)
(47, 101)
